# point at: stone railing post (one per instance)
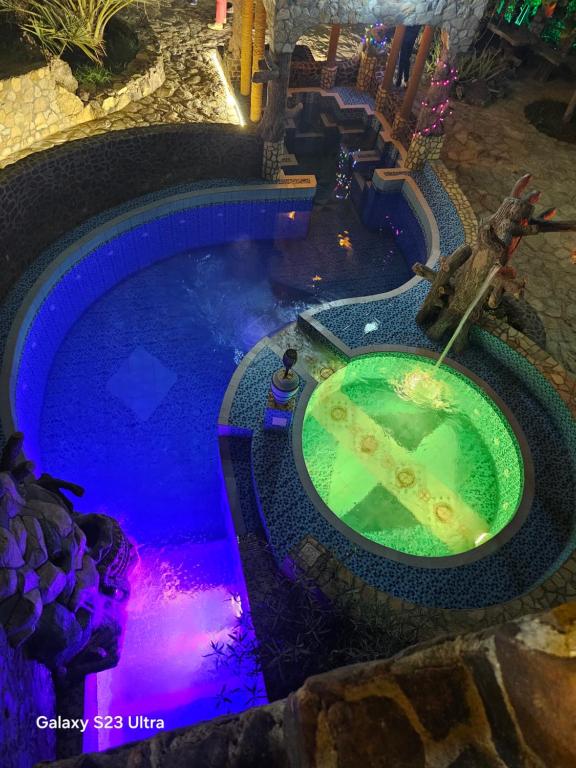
(385, 103)
(428, 139)
(273, 124)
(366, 71)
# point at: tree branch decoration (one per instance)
(460, 276)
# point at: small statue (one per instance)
(285, 381)
(289, 360)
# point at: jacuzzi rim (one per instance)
(448, 561)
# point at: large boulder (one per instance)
(503, 697)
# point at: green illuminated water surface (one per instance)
(416, 459)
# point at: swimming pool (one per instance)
(417, 463)
(118, 384)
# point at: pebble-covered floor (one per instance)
(488, 148)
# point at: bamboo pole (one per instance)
(257, 54)
(246, 55)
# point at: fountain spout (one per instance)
(479, 296)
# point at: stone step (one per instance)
(289, 164)
(327, 120)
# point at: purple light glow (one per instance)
(168, 634)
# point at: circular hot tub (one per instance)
(419, 463)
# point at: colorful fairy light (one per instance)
(376, 38)
(436, 110)
(346, 162)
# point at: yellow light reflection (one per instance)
(230, 98)
(344, 240)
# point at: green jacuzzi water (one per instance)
(417, 460)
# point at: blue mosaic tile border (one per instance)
(353, 96)
(537, 550)
(449, 225)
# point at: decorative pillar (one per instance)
(273, 124)
(384, 101)
(257, 54)
(246, 54)
(429, 136)
(366, 71)
(401, 127)
(329, 69)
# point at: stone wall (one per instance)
(49, 193)
(45, 101)
(26, 692)
(504, 698)
(36, 104)
(292, 19)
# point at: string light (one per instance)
(376, 37)
(346, 162)
(435, 109)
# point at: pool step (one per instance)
(331, 135)
(351, 133)
(290, 134)
(308, 142)
(289, 164)
(366, 161)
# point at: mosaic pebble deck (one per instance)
(545, 540)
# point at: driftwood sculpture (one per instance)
(461, 275)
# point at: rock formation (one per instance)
(63, 576)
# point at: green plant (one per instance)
(58, 25)
(92, 75)
(480, 65)
(293, 631)
(433, 56)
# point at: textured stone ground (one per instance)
(192, 91)
(488, 149)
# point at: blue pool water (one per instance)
(129, 411)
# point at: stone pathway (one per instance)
(488, 149)
(192, 91)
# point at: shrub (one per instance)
(483, 65)
(291, 631)
(58, 25)
(92, 76)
